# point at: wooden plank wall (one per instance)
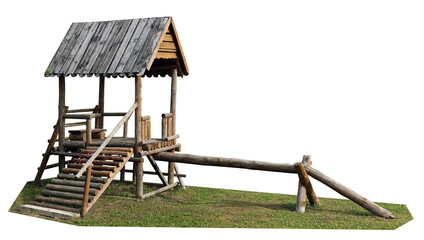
(168, 48)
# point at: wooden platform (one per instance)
(122, 142)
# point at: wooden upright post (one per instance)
(99, 121)
(301, 191)
(138, 171)
(173, 110)
(304, 179)
(61, 121)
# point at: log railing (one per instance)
(167, 125)
(106, 141)
(146, 133)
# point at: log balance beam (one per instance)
(276, 167)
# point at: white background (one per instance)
(339, 80)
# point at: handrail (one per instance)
(106, 141)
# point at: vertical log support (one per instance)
(304, 179)
(61, 121)
(86, 191)
(138, 167)
(173, 110)
(88, 132)
(100, 120)
(301, 191)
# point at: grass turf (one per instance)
(220, 208)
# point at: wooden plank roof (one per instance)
(124, 48)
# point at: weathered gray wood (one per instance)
(55, 206)
(82, 116)
(114, 47)
(106, 141)
(160, 190)
(61, 122)
(83, 47)
(139, 179)
(173, 137)
(123, 46)
(76, 47)
(75, 124)
(304, 179)
(225, 162)
(301, 190)
(157, 169)
(63, 55)
(80, 110)
(173, 108)
(348, 193)
(49, 212)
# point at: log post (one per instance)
(164, 127)
(304, 179)
(172, 121)
(100, 120)
(138, 173)
(61, 122)
(86, 191)
(88, 132)
(301, 190)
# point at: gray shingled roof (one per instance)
(110, 48)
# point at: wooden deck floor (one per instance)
(115, 142)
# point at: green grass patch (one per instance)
(219, 208)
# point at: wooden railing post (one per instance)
(86, 191)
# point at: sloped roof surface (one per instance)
(110, 48)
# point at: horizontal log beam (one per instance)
(160, 190)
(225, 162)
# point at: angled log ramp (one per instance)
(276, 167)
(64, 196)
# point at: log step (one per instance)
(82, 178)
(55, 206)
(106, 152)
(69, 189)
(110, 148)
(95, 167)
(97, 162)
(75, 183)
(59, 201)
(93, 173)
(49, 212)
(50, 193)
(102, 157)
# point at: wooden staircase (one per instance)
(64, 196)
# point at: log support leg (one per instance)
(301, 191)
(139, 179)
(304, 179)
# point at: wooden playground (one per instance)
(88, 160)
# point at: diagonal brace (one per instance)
(157, 169)
(304, 179)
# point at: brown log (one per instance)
(157, 169)
(173, 107)
(164, 127)
(55, 206)
(97, 162)
(160, 190)
(139, 179)
(138, 166)
(86, 191)
(122, 176)
(95, 167)
(71, 189)
(301, 190)
(348, 193)
(75, 183)
(178, 175)
(61, 201)
(126, 149)
(61, 121)
(51, 193)
(94, 173)
(167, 115)
(101, 108)
(88, 132)
(173, 137)
(145, 118)
(304, 179)
(82, 178)
(108, 152)
(225, 162)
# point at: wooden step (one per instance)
(82, 178)
(95, 167)
(69, 189)
(102, 157)
(55, 206)
(75, 183)
(59, 201)
(50, 193)
(93, 173)
(107, 152)
(49, 212)
(111, 148)
(97, 162)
